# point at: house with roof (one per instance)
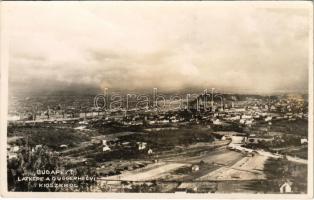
(286, 187)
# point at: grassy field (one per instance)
(171, 138)
(53, 137)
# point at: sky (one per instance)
(258, 47)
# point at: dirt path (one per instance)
(248, 168)
(152, 172)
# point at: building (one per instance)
(141, 145)
(286, 187)
(195, 168)
(150, 151)
(303, 141)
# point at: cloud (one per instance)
(167, 45)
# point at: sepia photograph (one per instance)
(175, 98)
